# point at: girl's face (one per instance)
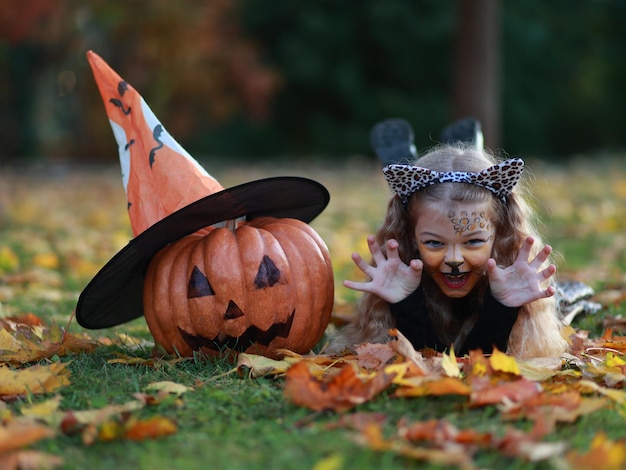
(455, 244)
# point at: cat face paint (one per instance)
(456, 245)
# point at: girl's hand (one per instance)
(521, 282)
(390, 278)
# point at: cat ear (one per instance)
(500, 179)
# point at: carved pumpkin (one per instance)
(265, 285)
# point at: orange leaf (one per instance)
(151, 428)
(339, 392)
(442, 434)
(17, 435)
(517, 391)
(372, 437)
(603, 454)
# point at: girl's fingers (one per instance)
(524, 251)
(359, 286)
(361, 263)
(491, 266)
(548, 272)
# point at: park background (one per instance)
(307, 79)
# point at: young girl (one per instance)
(457, 262)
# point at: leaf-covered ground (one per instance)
(72, 398)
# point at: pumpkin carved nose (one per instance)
(233, 311)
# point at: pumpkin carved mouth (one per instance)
(252, 335)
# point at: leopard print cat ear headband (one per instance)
(500, 179)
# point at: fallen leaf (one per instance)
(539, 369)
(517, 443)
(254, 365)
(516, 391)
(603, 454)
(502, 362)
(29, 460)
(36, 379)
(450, 365)
(16, 435)
(374, 355)
(168, 387)
(587, 386)
(339, 392)
(151, 428)
(357, 421)
(87, 421)
(432, 386)
(332, 462)
(403, 346)
(372, 437)
(46, 411)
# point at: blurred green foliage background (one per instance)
(303, 78)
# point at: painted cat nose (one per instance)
(453, 264)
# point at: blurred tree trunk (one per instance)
(476, 80)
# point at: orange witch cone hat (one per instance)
(169, 197)
(159, 176)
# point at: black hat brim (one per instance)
(115, 294)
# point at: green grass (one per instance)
(230, 421)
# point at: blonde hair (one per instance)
(538, 329)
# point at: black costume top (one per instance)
(492, 328)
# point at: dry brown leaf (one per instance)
(403, 346)
(340, 392)
(375, 355)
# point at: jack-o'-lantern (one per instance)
(265, 285)
(262, 285)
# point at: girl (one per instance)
(457, 262)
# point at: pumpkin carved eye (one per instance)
(198, 285)
(268, 273)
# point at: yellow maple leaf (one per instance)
(503, 363)
(35, 379)
(259, 366)
(46, 411)
(8, 343)
(167, 386)
(613, 360)
(450, 365)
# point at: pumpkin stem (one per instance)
(232, 224)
